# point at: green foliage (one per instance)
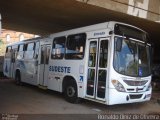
(1, 42)
(2, 48)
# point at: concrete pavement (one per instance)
(29, 99)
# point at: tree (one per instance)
(2, 48)
(1, 42)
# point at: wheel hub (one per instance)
(70, 91)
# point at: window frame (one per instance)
(63, 53)
(27, 51)
(27, 45)
(8, 52)
(19, 47)
(76, 57)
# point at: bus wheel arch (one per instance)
(70, 89)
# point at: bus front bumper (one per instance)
(116, 97)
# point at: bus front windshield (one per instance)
(133, 59)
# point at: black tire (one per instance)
(18, 78)
(70, 93)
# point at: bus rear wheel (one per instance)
(18, 78)
(70, 93)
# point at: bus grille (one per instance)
(135, 83)
(135, 96)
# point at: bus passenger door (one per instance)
(97, 69)
(44, 62)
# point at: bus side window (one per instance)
(29, 53)
(75, 46)
(36, 48)
(13, 56)
(58, 48)
(8, 52)
(6, 49)
(20, 48)
(20, 51)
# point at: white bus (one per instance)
(107, 63)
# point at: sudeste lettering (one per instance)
(60, 69)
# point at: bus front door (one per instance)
(44, 62)
(97, 69)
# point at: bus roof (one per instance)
(25, 41)
(94, 27)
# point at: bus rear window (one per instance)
(75, 46)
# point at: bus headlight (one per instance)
(119, 87)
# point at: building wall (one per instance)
(14, 36)
(148, 9)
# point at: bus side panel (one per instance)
(7, 67)
(28, 70)
(61, 68)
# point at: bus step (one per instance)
(42, 87)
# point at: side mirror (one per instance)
(119, 44)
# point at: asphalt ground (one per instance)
(29, 102)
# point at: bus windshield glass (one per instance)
(133, 59)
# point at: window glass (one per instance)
(75, 46)
(47, 55)
(101, 83)
(133, 59)
(37, 45)
(90, 81)
(144, 60)
(29, 51)
(30, 46)
(130, 32)
(92, 54)
(8, 38)
(13, 55)
(20, 53)
(20, 48)
(36, 50)
(103, 54)
(58, 48)
(42, 54)
(8, 51)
